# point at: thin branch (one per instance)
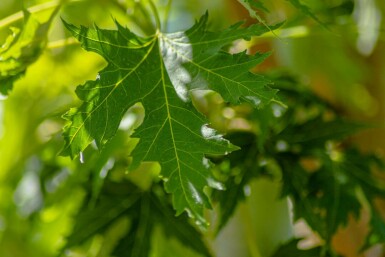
(34, 9)
(156, 14)
(62, 43)
(167, 15)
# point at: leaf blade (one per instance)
(160, 72)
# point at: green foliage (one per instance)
(145, 211)
(21, 49)
(170, 136)
(172, 133)
(326, 181)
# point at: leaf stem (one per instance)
(156, 14)
(292, 32)
(279, 103)
(167, 15)
(62, 42)
(146, 25)
(34, 9)
(19, 15)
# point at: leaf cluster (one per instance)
(173, 133)
(164, 175)
(22, 48)
(137, 215)
(327, 180)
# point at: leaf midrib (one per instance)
(169, 119)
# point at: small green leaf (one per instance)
(252, 7)
(21, 49)
(258, 5)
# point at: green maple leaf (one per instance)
(22, 48)
(146, 210)
(160, 72)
